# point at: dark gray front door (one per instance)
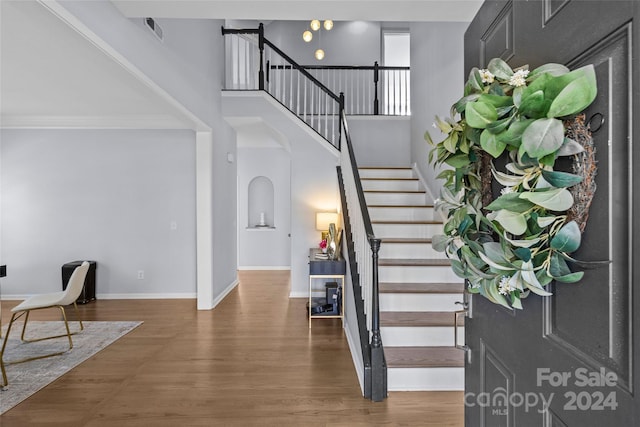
(570, 359)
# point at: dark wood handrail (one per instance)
(302, 70)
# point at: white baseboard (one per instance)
(217, 300)
(357, 362)
(264, 267)
(118, 296)
(298, 294)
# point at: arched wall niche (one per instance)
(260, 203)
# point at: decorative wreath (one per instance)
(520, 241)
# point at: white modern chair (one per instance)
(51, 300)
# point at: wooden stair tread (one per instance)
(406, 240)
(410, 262)
(421, 288)
(401, 206)
(412, 222)
(424, 357)
(388, 178)
(396, 191)
(385, 167)
(418, 318)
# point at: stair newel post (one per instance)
(341, 110)
(376, 72)
(379, 375)
(261, 48)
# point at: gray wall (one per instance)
(348, 43)
(381, 141)
(189, 66)
(260, 247)
(438, 81)
(110, 196)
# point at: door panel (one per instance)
(575, 351)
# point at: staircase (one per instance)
(418, 289)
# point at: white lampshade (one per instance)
(307, 36)
(315, 25)
(328, 24)
(319, 54)
(323, 219)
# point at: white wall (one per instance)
(437, 68)
(109, 196)
(348, 43)
(189, 66)
(265, 247)
(381, 141)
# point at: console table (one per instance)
(320, 270)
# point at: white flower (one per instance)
(504, 287)
(486, 76)
(435, 126)
(519, 78)
(506, 190)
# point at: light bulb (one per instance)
(328, 24)
(319, 54)
(315, 25)
(307, 36)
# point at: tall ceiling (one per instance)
(339, 10)
(52, 76)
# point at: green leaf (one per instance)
(567, 239)
(479, 114)
(499, 125)
(548, 160)
(458, 161)
(545, 221)
(523, 253)
(514, 222)
(450, 143)
(571, 278)
(440, 242)
(561, 179)
(461, 105)
(517, 95)
(475, 79)
(575, 96)
(534, 105)
(550, 68)
(542, 137)
(513, 135)
(570, 147)
(558, 266)
(458, 269)
(490, 143)
(500, 69)
(559, 199)
(515, 300)
(511, 202)
(494, 251)
(496, 100)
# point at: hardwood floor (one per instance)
(252, 361)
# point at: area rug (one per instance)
(29, 377)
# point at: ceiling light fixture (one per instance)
(307, 35)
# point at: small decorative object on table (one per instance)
(323, 245)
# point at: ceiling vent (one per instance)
(153, 26)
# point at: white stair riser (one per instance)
(390, 185)
(415, 336)
(406, 230)
(402, 214)
(419, 302)
(414, 379)
(386, 173)
(417, 274)
(409, 250)
(396, 198)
